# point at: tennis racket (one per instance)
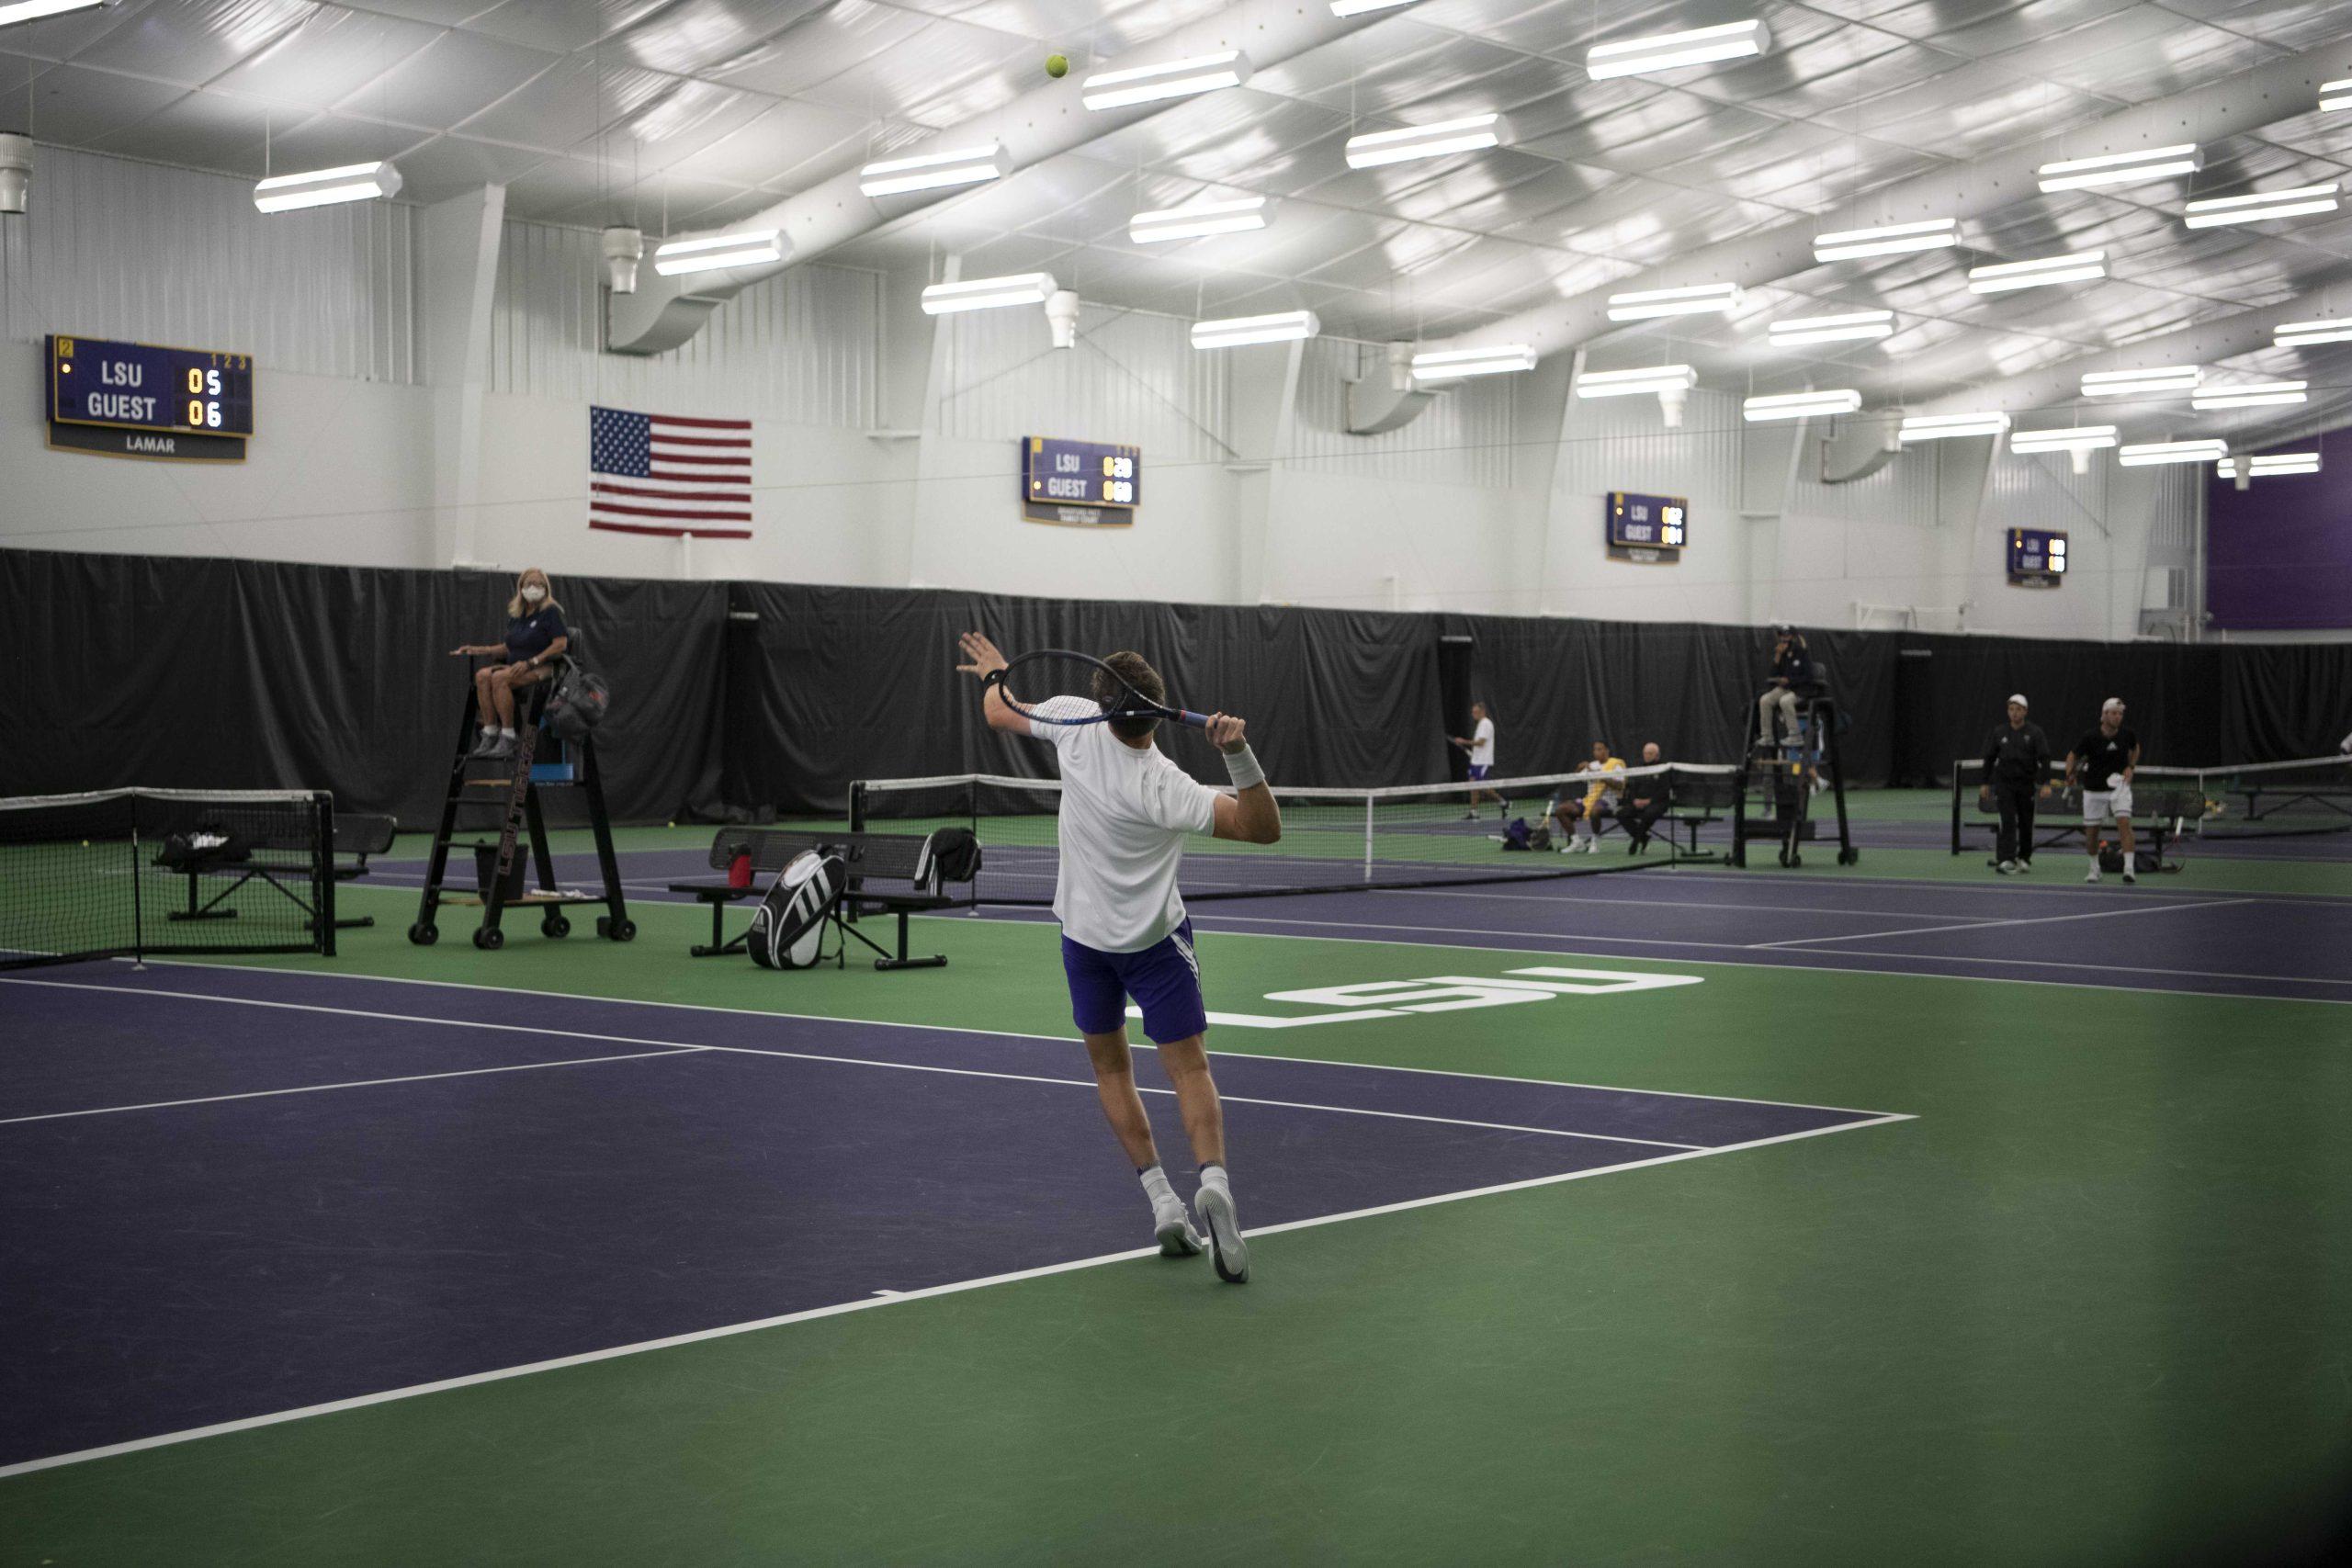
(1053, 672)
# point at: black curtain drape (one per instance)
(738, 698)
(180, 673)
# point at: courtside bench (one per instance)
(269, 857)
(1693, 801)
(891, 859)
(2159, 814)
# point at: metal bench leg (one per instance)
(720, 946)
(937, 960)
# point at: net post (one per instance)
(1371, 804)
(322, 871)
(1958, 769)
(857, 805)
(138, 914)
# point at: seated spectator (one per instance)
(1578, 818)
(1647, 800)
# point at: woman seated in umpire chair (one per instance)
(534, 636)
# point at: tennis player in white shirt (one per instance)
(1124, 811)
(1481, 747)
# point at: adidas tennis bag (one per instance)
(789, 930)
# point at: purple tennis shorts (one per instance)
(1164, 979)
(1480, 769)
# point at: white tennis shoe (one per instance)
(1228, 1251)
(1177, 1236)
(2093, 872)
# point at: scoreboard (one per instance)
(2037, 557)
(1648, 528)
(141, 400)
(1086, 482)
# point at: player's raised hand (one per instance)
(1225, 732)
(984, 659)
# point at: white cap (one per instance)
(2019, 698)
(2115, 703)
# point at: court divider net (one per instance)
(1333, 839)
(129, 873)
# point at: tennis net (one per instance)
(1333, 839)
(133, 872)
(2247, 800)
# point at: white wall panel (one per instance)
(1134, 378)
(803, 346)
(1462, 439)
(2044, 491)
(1902, 493)
(116, 248)
(1623, 444)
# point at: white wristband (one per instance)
(1243, 767)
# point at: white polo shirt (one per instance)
(1124, 817)
(1482, 744)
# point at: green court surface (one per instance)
(2091, 1304)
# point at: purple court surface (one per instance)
(416, 1182)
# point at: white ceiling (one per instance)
(687, 114)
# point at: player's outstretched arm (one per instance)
(1249, 814)
(981, 660)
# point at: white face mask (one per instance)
(533, 594)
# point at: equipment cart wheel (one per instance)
(555, 925)
(424, 935)
(490, 938)
(1850, 855)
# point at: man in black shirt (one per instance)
(1646, 801)
(2017, 770)
(2104, 760)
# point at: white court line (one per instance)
(872, 1303)
(815, 1057)
(1799, 941)
(1609, 901)
(356, 1082)
(1024, 1034)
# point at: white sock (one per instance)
(1156, 1187)
(487, 731)
(504, 733)
(1213, 1176)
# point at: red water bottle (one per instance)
(739, 870)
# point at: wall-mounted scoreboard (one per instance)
(1651, 529)
(1086, 483)
(140, 399)
(2037, 557)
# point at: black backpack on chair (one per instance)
(789, 930)
(577, 705)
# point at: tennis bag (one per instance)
(1515, 834)
(577, 703)
(210, 844)
(789, 930)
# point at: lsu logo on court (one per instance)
(1442, 993)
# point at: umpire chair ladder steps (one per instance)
(502, 796)
(1771, 780)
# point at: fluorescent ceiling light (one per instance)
(1200, 218)
(750, 248)
(2261, 207)
(27, 10)
(933, 171)
(2151, 453)
(1235, 331)
(2334, 96)
(2155, 381)
(1950, 426)
(1643, 304)
(1627, 383)
(2083, 266)
(1170, 79)
(2305, 334)
(1471, 133)
(1448, 363)
(1892, 239)
(2270, 464)
(2071, 439)
(1671, 51)
(2123, 168)
(352, 181)
(1364, 7)
(1800, 405)
(987, 293)
(1831, 329)
(2255, 395)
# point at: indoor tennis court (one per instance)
(1192, 782)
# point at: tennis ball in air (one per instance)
(1057, 66)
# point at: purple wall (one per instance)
(2278, 554)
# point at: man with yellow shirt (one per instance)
(1578, 818)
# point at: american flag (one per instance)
(651, 473)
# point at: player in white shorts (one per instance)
(2103, 761)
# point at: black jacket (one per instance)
(2020, 756)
